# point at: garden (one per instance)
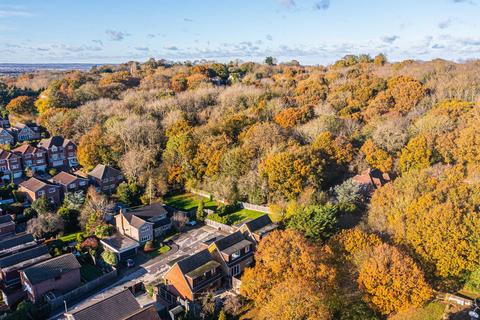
(228, 214)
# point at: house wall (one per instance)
(65, 283)
(175, 278)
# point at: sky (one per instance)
(310, 31)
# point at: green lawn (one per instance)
(90, 272)
(432, 311)
(244, 214)
(189, 201)
(159, 251)
(69, 237)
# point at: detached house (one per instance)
(33, 158)
(234, 253)
(60, 152)
(105, 178)
(144, 223)
(61, 274)
(70, 182)
(6, 137)
(26, 131)
(10, 165)
(190, 277)
(35, 188)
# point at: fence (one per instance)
(244, 205)
(80, 291)
(448, 297)
(219, 226)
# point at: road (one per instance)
(152, 270)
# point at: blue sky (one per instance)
(311, 31)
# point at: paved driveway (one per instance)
(152, 270)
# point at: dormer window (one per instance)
(236, 255)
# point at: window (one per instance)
(235, 270)
(51, 190)
(40, 161)
(54, 149)
(70, 147)
(71, 185)
(82, 183)
(236, 255)
(247, 249)
(41, 193)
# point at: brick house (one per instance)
(234, 253)
(105, 178)
(134, 227)
(34, 188)
(256, 229)
(32, 157)
(189, 277)
(10, 267)
(122, 305)
(60, 152)
(10, 165)
(6, 137)
(60, 274)
(155, 213)
(26, 131)
(70, 182)
(7, 226)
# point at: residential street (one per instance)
(150, 271)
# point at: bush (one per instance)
(110, 258)
(148, 246)
(223, 210)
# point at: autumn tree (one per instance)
(376, 157)
(417, 154)
(290, 117)
(289, 172)
(21, 106)
(285, 259)
(93, 149)
(392, 281)
(433, 212)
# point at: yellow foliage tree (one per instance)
(377, 157)
(417, 154)
(392, 281)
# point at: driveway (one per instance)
(152, 270)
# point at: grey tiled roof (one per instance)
(51, 268)
(115, 307)
(120, 242)
(259, 223)
(16, 241)
(194, 261)
(23, 256)
(5, 218)
(102, 171)
(152, 210)
(229, 240)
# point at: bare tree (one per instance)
(179, 220)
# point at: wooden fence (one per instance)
(219, 226)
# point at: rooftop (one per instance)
(197, 272)
(119, 242)
(195, 261)
(152, 210)
(65, 178)
(6, 219)
(121, 305)
(102, 171)
(16, 242)
(53, 141)
(35, 184)
(27, 257)
(51, 268)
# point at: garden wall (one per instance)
(80, 291)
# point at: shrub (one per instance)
(148, 246)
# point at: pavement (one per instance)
(152, 270)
